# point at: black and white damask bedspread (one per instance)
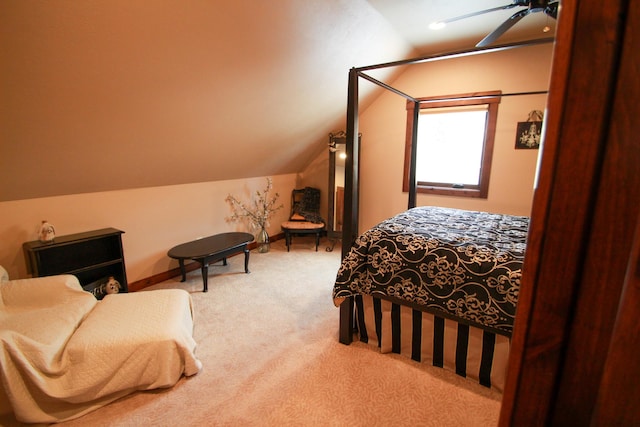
(465, 264)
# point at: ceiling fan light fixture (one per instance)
(438, 25)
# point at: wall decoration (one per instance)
(47, 232)
(528, 133)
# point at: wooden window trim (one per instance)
(489, 98)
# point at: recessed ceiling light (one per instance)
(437, 25)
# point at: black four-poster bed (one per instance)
(435, 284)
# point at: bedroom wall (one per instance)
(383, 127)
(153, 219)
(116, 93)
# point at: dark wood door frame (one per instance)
(572, 311)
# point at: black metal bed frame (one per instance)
(351, 191)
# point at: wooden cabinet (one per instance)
(92, 257)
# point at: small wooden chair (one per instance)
(305, 216)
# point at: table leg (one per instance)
(246, 260)
(205, 275)
(182, 270)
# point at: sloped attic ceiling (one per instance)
(114, 94)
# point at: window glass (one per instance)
(448, 152)
(454, 144)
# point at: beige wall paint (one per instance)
(109, 95)
(153, 219)
(383, 127)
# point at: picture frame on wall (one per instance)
(528, 135)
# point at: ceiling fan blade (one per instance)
(552, 9)
(495, 34)
(481, 12)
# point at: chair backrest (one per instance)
(305, 205)
(297, 197)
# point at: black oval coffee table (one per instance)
(212, 249)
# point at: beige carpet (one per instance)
(268, 343)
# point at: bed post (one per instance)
(346, 321)
(412, 161)
(351, 185)
(351, 191)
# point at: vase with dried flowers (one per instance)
(256, 213)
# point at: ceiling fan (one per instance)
(532, 6)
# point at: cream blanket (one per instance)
(63, 353)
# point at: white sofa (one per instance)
(64, 354)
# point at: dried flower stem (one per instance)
(259, 212)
